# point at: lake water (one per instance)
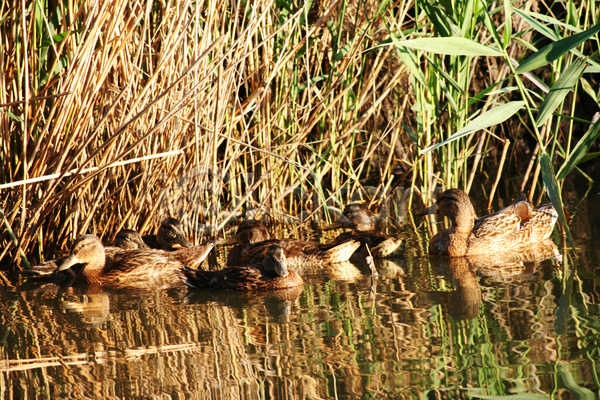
(421, 329)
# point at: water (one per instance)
(420, 329)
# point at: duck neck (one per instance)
(463, 223)
(92, 271)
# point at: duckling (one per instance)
(304, 257)
(128, 268)
(514, 226)
(361, 220)
(269, 272)
(170, 236)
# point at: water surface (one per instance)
(420, 329)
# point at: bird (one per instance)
(138, 268)
(170, 236)
(362, 221)
(128, 239)
(268, 272)
(519, 224)
(304, 257)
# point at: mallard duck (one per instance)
(128, 239)
(361, 220)
(170, 236)
(268, 272)
(127, 268)
(302, 256)
(516, 225)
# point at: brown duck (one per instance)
(304, 257)
(362, 221)
(170, 236)
(128, 268)
(268, 272)
(514, 226)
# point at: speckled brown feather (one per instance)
(302, 256)
(511, 227)
(361, 220)
(259, 275)
(129, 268)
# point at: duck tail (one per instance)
(194, 256)
(342, 252)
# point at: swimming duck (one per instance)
(128, 239)
(170, 236)
(516, 225)
(127, 268)
(302, 256)
(361, 220)
(268, 272)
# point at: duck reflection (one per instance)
(90, 305)
(278, 303)
(462, 272)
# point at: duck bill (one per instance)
(280, 269)
(69, 262)
(183, 242)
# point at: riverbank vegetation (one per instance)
(118, 113)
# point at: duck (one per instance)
(127, 268)
(362, 221)
(304, 257)
(128, 239)
(170, 236)
(517, 225)
(269, 272)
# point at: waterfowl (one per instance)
(302, 256)
(170, 236)
(361, 220)
(268, 272)
(128, 268)
(516, 225)
(128, 239)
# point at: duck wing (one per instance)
(504, 222)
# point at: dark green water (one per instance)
(418, 330)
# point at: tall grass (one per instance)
(273, 105)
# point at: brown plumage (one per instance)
(516, 225)
(268, 272)
(128, 239)
(361, 220)
(127, 268)
(304, 257)
(170, 236)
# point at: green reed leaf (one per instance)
(555, 50)
(492, 117)
(553, 191)
(563, 85)
(454, 46)
(580, 150)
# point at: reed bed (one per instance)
(118, 113)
